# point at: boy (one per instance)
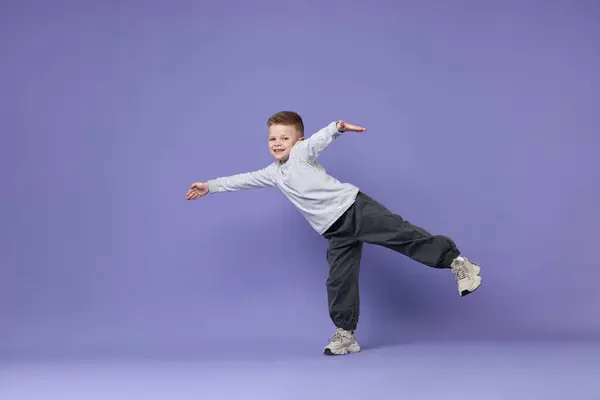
(343, 215)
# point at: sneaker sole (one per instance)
(353, 348)
(474, 286)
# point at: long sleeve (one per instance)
(319, 141)
(261, 178)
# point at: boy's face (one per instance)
(281, 140)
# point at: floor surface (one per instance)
(483, 371)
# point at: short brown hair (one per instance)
(287, 118)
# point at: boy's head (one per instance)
(285, 129)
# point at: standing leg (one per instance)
(343, 256)
(342, 284)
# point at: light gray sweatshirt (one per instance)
(320, 198)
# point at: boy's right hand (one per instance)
(197, 190)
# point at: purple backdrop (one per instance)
(481, 127)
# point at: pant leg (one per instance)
(376, 224)
(343, 256)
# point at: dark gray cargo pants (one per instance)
(367, 221)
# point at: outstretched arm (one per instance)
(321, 139)
(250, 180)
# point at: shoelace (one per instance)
(340, 335)
(461, 272)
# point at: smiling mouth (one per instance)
(278, 151)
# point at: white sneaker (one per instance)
(467, 275)
(342, 342)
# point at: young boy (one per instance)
(342, 214)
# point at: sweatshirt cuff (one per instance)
(332, 128)
(213, 186)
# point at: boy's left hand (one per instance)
(346, 127)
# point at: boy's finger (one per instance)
(355, 127)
